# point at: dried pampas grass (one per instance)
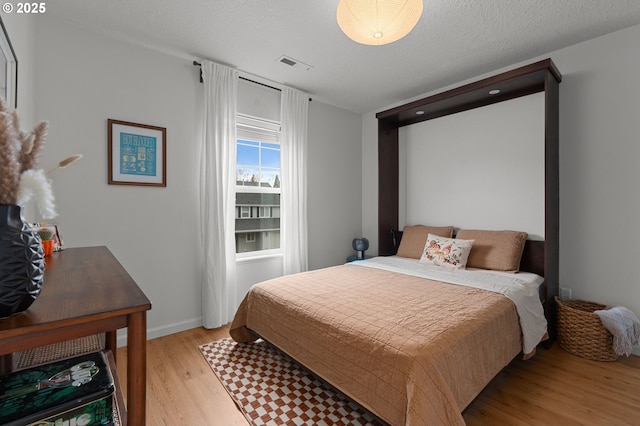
(30, 158)
(9, 159)
(64, 163)
(35, 185)
(20, 181)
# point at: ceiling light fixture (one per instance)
(378, 22)
(494, 92)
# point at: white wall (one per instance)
(487, 174)
(599, 172)
(600, 169)
(335, 184)
(83, 78)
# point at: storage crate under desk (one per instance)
(81, 390)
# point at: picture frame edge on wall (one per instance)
(125, 168)
(11, 72)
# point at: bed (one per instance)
(417, 349)
(412, 341)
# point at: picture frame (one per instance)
(8, 69)
(137, 154)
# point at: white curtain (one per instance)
(217, 194)
(293, 151)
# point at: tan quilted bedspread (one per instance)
(411, 350)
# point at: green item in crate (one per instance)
(77, 390)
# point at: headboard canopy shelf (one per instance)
(512, 84)
(542, 76)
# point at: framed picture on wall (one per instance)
(137, 154)
(8, 69)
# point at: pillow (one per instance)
(495, 250)
(415, 237)
(447, 252)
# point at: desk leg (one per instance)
(6, 363)
(111, 344)
(136, 368)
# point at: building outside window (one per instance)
(257, 187)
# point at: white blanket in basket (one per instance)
(625, 327)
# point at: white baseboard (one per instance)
(165, 330)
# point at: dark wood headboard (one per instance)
(542, 76)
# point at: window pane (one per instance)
(258, 233)
(248, 155)
(270, 178)
(270, 158)
(247, 176)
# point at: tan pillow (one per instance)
(495, 250)
(415, 237)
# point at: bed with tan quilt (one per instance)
(409, 339)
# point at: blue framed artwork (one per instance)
(137, 154)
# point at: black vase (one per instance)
(21, 262)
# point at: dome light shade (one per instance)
(378, 22)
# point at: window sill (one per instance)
(257, 257)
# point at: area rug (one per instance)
(272, 389)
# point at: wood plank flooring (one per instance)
(553, 388)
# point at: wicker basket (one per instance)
(581, 332)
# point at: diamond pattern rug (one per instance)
(272, 389)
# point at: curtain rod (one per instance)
(198, 64)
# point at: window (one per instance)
(265, 211)
(257, 186)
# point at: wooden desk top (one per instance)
(80, 285)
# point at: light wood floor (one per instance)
(553, 388)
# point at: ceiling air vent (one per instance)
(294, 63)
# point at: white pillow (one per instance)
(448, 252)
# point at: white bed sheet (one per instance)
(521, 288)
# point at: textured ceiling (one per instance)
(453, 41)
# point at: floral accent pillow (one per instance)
(448, 252)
